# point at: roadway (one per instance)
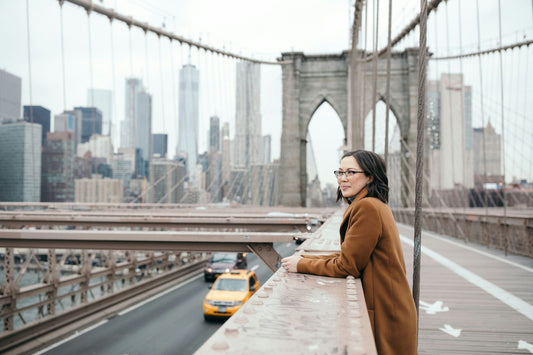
(170, 323)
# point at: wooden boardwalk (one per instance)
(473, 300)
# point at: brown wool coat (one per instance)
(371, 250)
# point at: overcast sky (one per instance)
(255, 28)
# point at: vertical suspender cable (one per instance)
(485, 197)
(449, 86)
(91, 71)
(146, 63)
(29, 59)
(387, 95)
(62, 54)
(375, 72)
(34, 173)
(529, 171)
(113, 74)
(131, 52)
(503, 127)
(162, 88)
(174, 96)
(463, 141)
(421, 115)
(437, 79)
(363, 81)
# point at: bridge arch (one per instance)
(345, 81)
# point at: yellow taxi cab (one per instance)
(229, 292)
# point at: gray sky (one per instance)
(259, 29)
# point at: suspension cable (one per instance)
(34, 175)
(503, 128)
(363, 73)
(113, 75)
(421, 115)
(375, 70)
(479, 52)
(93, 109)
(174, 94)
(432, 6)
(463, 141)
(90, 5)
(387, 95)
(480, 66)
(162, 89)
(62, 54)
(451, 118)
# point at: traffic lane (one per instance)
(170, 324)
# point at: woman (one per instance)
(371, 250)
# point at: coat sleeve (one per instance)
(320, 256)
(362, 235)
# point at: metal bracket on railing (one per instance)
(267, 254)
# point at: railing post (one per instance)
(52, 279)
(86, 272)
(111, 264)
(9, 289)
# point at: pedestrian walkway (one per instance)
(473, 300)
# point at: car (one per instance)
(229, 292)
(220, 263)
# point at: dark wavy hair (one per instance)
(374, 166)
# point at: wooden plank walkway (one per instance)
(473, 300)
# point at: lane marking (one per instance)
(73, 336)
(509, 299)
(448, 329)
(525, 345)
(135, 306)
(432, 234)
(433, 308)
(253, 268)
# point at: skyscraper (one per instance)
(103, 100)
(20, 162)
(214, 134)
(69, 121)
(57, 179)
(91, 122)
(248, 141)
(450, 132)
(136, 128)
(267, 149)
(10, 94)
(99, 147)
(167, 178)
(188, 118)
(40, 115)
(160, 143)
(490, 164)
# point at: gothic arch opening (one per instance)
(325, 137)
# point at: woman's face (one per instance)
(350, 186)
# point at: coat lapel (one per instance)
(348, 212)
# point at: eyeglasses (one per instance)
(348, 173)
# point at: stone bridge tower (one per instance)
(341, 79)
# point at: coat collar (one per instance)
(359, 196)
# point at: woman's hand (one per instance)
(290, 263)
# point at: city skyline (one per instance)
(145, 62)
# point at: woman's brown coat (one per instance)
(371, 250)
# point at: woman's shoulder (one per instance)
(370, 202)
(365, 205)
